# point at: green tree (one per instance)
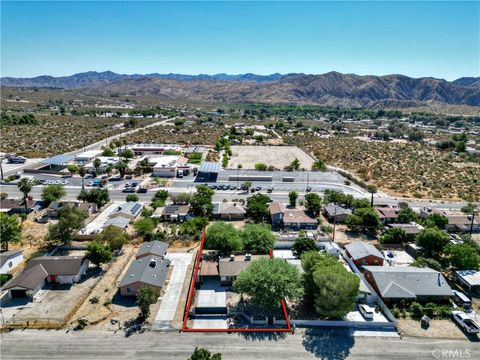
(247, 185)
(309, 260)
(97, 196)
(427, 262)
(266, 281)
(113, 237)
(146, 297)
(224, 238)
(70, 220)
(51, 193)
(295, 164)
(292, 198)
(25, 185)
(96, 164)
(463, 256)
(313, 202)
(303, 244)
(122, 167)
(108, 152)
(407, 215)
(131, 198)
(433, 240)
(394, 236)
(365, 219)
(204, 354)
(144, 226)
(260, 167)
(201, 201)
(72, 169)
(257, 207)
(319, 165)
(82, 171)
(98, 253)
(257, 238)
(437, 220)
(334, 288)
(10, 230)
(127, 154)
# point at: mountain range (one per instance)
(333, 88)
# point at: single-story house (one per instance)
(228, 211)
(152, 248)
(336, 213)
(229, 268)
(149, 271)
(411, 230)
(457, 221)
(175, 212)
(364, 254)
(130, 210)
(470, 279)
(387, 215)
(17, 206)
(55, 207)
(10, 259)
(293, 219)
(39, 271)
(395, 283)
(27, 283)
(62, 269)
(118, 221)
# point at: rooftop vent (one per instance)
(153, 263)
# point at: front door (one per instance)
(53, 278)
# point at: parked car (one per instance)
(464, 321)
(258, 188)
(90, 182)
(213, 187)
(367, 312)
(142, 190)
(462, 300)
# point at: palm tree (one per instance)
(121, 167)
(372, 189)
(82, 171)
(25, 186)
(96, 164)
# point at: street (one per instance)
(320, 344)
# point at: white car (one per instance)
(367, 311)
(90, 183)
(465, 322)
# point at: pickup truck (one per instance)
(465, 322)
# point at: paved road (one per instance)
(39, 345)
(281, 196)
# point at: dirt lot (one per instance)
(55, 303)
(438, 329)
(278, 156)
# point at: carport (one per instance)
(27, 283)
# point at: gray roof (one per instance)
(129, 208)
(148, 270)
(176, 210)
(210, 167)
(360, 250)
(157, 248)
(28, 279)
(59, 265)
(58, 160)
(333, 210)
(118, 221)
(408, 282)
(6, 255)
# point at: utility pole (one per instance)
(334, 222)
(308, 180)
(1, 168)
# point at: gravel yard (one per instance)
(278, 156)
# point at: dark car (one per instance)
(142, 190)
(258, 188)
(309, 189)
(213, 187)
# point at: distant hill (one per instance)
(333, 88)
(92, 77)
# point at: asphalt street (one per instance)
(319, 344)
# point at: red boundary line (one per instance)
(192, 291)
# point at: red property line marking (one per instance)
(192, 291)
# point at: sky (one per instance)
(438, 39)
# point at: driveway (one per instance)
(169, 304)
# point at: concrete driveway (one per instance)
(169, 304)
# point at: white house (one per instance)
(10, 259)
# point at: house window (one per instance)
(129, 290)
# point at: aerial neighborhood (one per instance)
(166, 201)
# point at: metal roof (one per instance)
(58, 160)
(157, 248)
(359, 250)
(210, 167)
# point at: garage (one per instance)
(18, 294)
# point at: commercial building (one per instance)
(169, 165)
